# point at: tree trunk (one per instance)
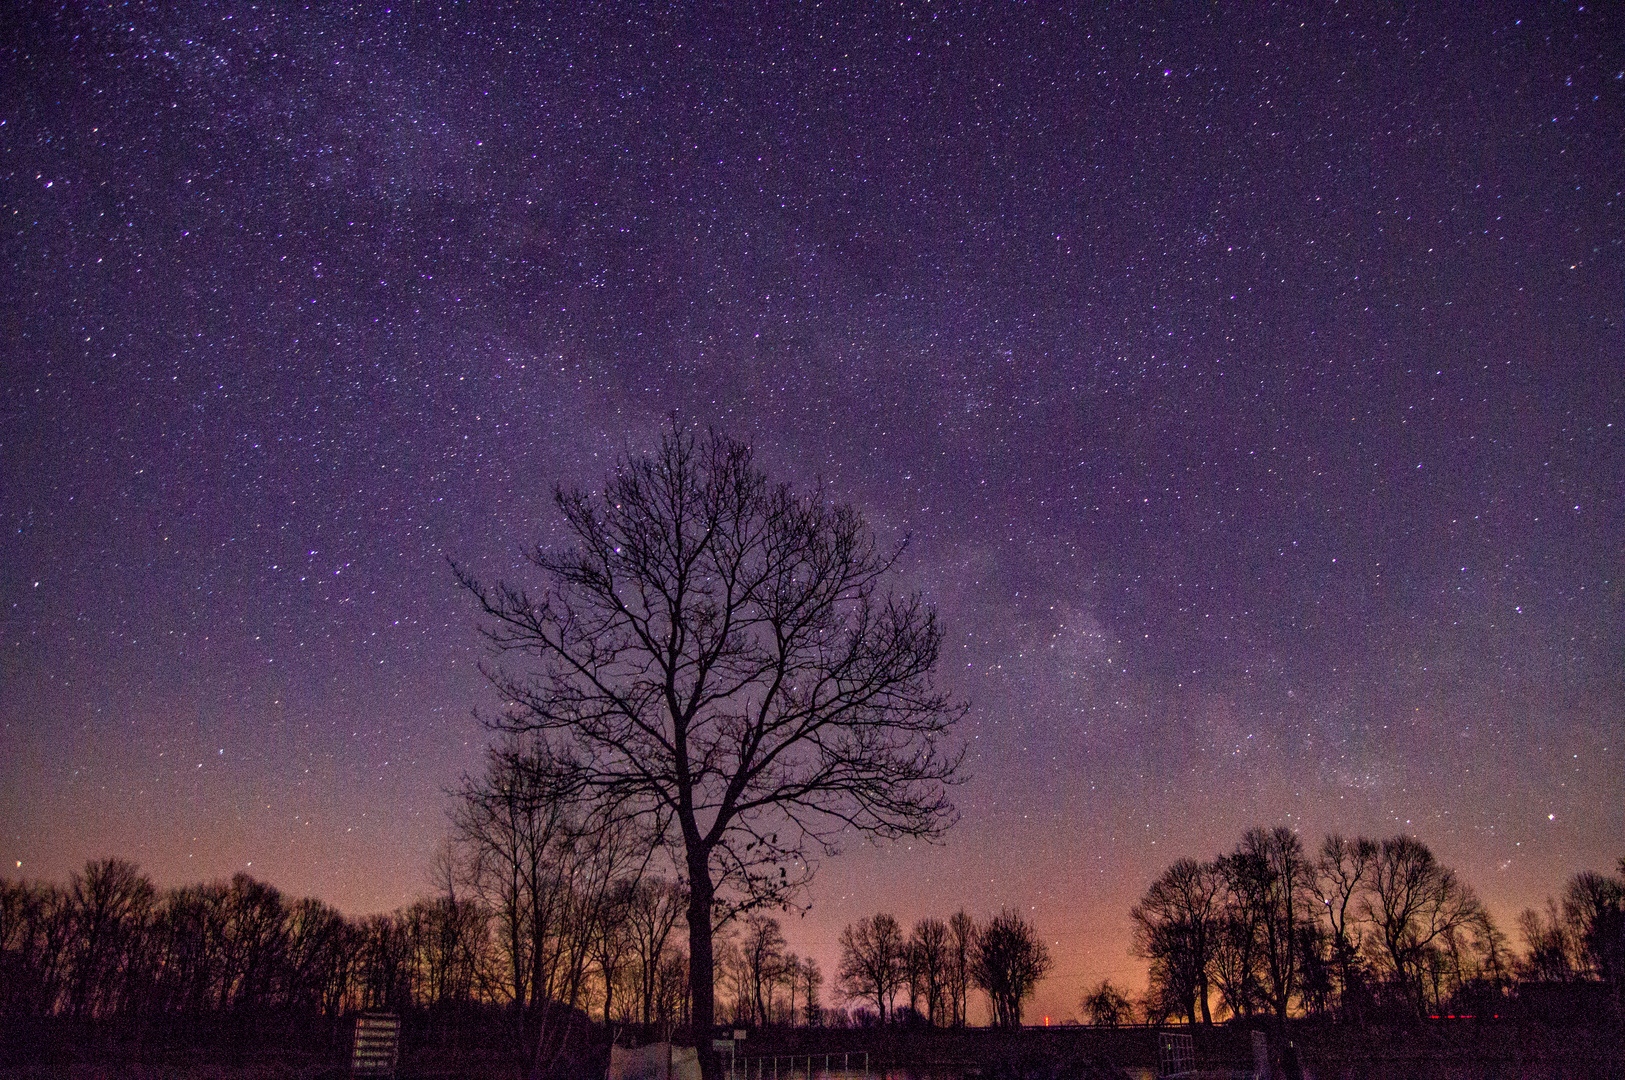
(701, 975)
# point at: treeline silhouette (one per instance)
(937, 965)
(108, 965)
(108, 943)
(1358, 929)
(760, 982)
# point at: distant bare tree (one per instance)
(722, 654)
(762, 953)
(36, 938)
(550, 866)
(111, 903)
(187, 939)
(1233, 963)
(913, 983)
(928, 951)
(1107, 1006)
(672, 1003)
(510, 820)
(1317, 975)
(1268, 883)
(611, 944)
(961, 951)
(461, 948)
(383, 963)
(1496, 961)
(447, 935)
(1551, 951)
(1284, 907)
(1010, 961)
(319, 957)
(872, 961)
(598, 858)
(811, 980)
(256, 938)
(652, 912)
(789, 971)
(1594, 912)
(1159, 1004)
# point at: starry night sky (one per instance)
(1248, 382)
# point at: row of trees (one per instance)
(539, 902)
(1359, 925)
(939, 961)
(577, 916)
(519, 933)
(1580, 936)
(111, 944)
(761, 982)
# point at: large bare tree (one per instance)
(723, 656)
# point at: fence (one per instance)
(805, 1066)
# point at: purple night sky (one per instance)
(1249, 381)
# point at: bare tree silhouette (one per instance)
(721, 657)
(1176, 927)
(1009, 962)
(872, 960)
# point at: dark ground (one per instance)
(1425, 1050)
(482, 1045)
